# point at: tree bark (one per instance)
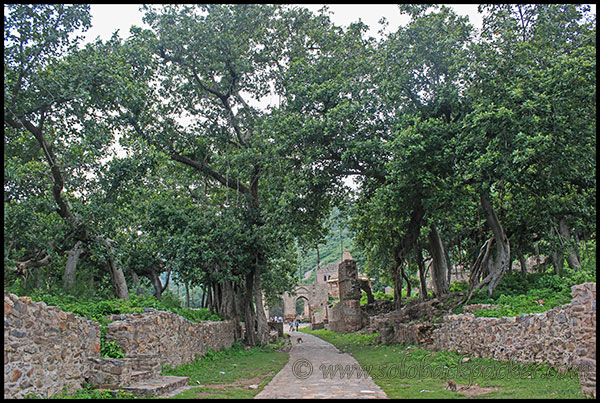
(449, 263)
(422, 278)
(557, 257)
(408, 287)
(154, 278)
(565, 234)
(71, 266)
(495, 268)
(136, 282)
(522, 262)
(118, 279)
(397, 281)
(439, 270)
(261, 318)
(187, 295)
(249, 314)
(209, 298)
(40, 259)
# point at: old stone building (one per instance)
(318, 294)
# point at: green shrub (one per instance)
(459, 286)
(533, 293)
(111, 349)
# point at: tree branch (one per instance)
(225, 181)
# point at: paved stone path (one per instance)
(302, 377)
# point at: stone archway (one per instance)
(306, 311)
(304, 291)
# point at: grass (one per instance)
(87, 392)
(534, 293)
(228, 374)
(405, 371)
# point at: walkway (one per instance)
(303, 378)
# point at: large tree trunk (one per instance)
(210, 299)
(230, 308)
(522, 262)
(71, 266)
(449, 263)
(494, 268)
(136, 282)
(249, 313)
(261, 318)
(154, 278)
(408, 287)
(422, 278)
(565, 235)
(187, 295)
(557, 257)
(439, 270)
(117, 279)
(238, 303)
(397, 279)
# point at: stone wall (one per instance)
(172, 338)
(559, 336)
(563, 337)
(45, 348)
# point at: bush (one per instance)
(459, 286)
(533, 293)
(376, 295)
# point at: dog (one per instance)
(299, 340)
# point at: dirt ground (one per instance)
(473, 390)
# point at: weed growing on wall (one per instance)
(534, 293)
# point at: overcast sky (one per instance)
(106, 18)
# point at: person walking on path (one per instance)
(297, 324)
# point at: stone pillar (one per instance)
(289, 306)
(347, 315)
(348, 281)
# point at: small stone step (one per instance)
(140, 375)
(157, 386)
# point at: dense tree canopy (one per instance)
(468, 148)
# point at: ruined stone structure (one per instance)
(315, 300)
(564, 337)
(46, 349)
(347, 316)
(316, 295)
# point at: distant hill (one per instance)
(337, 240)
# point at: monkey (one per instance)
(451, 385)
(299, 340)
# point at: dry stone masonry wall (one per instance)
(46, 349)
(563, 337)
(173, 339)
